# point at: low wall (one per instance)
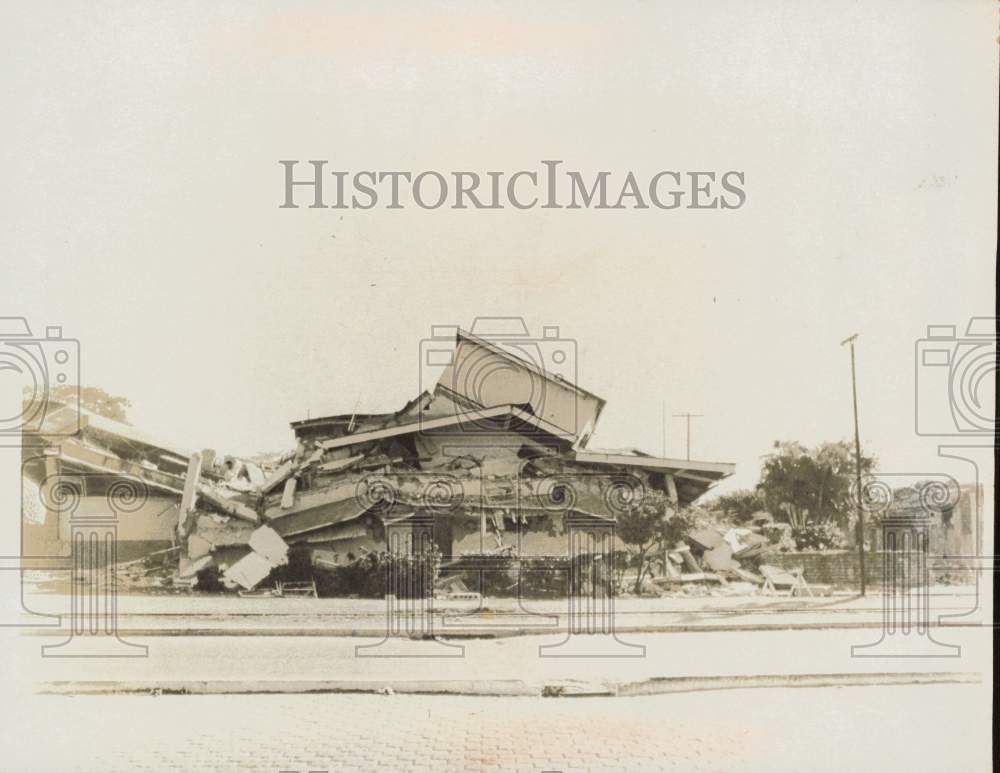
(840, 568)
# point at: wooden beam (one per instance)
(101, 462)
(189, 499)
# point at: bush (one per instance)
(367, 576)
(540, 576)
(819, 536)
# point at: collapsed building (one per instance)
(495, 456)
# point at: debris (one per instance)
(259, 593)
(277, 478)
(746, 576)
(249, 571)
(786, 582)
(231, 507)
(688, 560)
(198, 546)
(339, 465)
(476, 465)
(706, 539)
(270, 545)
(285, 589)
(720, 558)
(189, 567)
(190, 496)
(288, 495)
(267, 552)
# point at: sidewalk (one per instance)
(227, 644)
(633, 664)
(207, 615)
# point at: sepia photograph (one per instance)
(498, 386)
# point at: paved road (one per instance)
(924, 729)
(228, 614)
(332, 658)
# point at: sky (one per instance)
(142, 191)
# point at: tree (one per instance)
(94, 399)
(800, 486)
(653, 523)
(740, 506)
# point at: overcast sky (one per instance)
(141, 189)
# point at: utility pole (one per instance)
(663, 427)
(857, 465)
(688, 416)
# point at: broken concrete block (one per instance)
(706, 539)
(208, 459)
(228, 506)
(190, 496)
(288, 495)
(187, 568)
(255, 474)
(277, 477)
(198, 547)
(249, 571)
(338, 465)
(266, 542)
(720, 558)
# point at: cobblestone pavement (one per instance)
(916, 729)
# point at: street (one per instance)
(917, 729)
(261, 659)
(929, 727)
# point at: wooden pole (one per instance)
(857, 466)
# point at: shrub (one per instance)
(819, 536)
(367, 576)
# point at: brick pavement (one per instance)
(856, 729)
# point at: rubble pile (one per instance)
(490, 462)
(708, 562)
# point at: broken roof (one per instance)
(693, 478)
(514, 414)
(522, 370)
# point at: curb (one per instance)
(507, 687)
(661, 686)
(497, 632)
